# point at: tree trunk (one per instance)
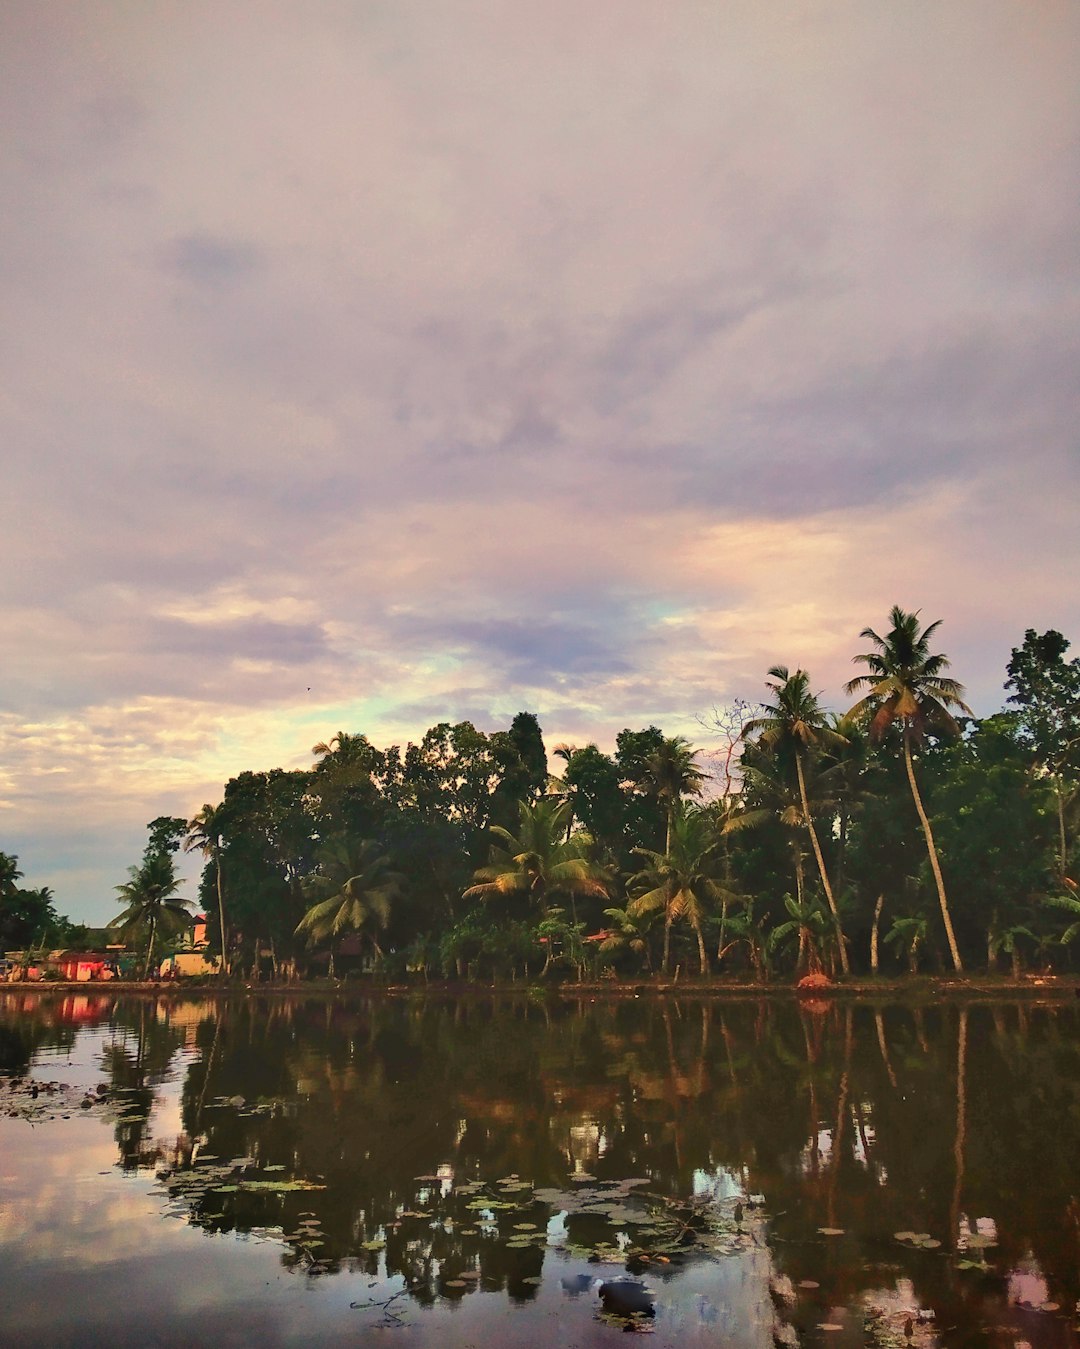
(703, 955)
(935, 866)
(221, 919)
(723, 927)
(667, 944)
(874, 935)
(841, 944)
(150, 947)
(1063, 851)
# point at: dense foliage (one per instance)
(904, 834)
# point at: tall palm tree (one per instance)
(684, 882)
(205, 835)
(795, 722)
(671, 774)
(906, 684)
(151, 903)
(541, 862)
(353, 890)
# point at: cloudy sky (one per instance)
(371, 363)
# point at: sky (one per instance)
(366, 364)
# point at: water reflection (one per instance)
(823, 1173)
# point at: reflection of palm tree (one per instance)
(353, 890)
(151, 903)
(541, 862)
(204, 835)
(796, 723)
(906, 685)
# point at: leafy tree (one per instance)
(451, 775)
(151, 903)
(645, 819)
(353, 890)
(343, 795)
(205, 834)
(166, 834)
(994, 821)
(592, 781)
(906, 685)
(26, 916)
(795, 723)
(521, 761)
(269, 838)
(1046, 694)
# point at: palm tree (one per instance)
(1071, 906)
(906, 684)
(541, 862)
(671, 774)
(151, 902)
(204, 835)
(353, 889)
(685, 881)
(908, 934)
(625, 932)
(795, 723)
(807, 923)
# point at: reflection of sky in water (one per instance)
(96, 1261)
(86, 1244)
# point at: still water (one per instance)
(283, 1171)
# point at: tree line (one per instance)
(902, 833)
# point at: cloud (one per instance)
(445, 360)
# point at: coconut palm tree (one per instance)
(625, 932)
(795, 723)
(353, 889)
(205, 835)
(671, 774)
(684, 882)
(151, 903)
(906, 685)
(541, 862)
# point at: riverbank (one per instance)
(917, 988)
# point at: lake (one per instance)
(281, 1171)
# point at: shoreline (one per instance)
(935, 988)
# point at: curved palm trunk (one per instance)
(821, 866)
(221, 918)
(703, 955)
(935, 866)
(874, 935)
